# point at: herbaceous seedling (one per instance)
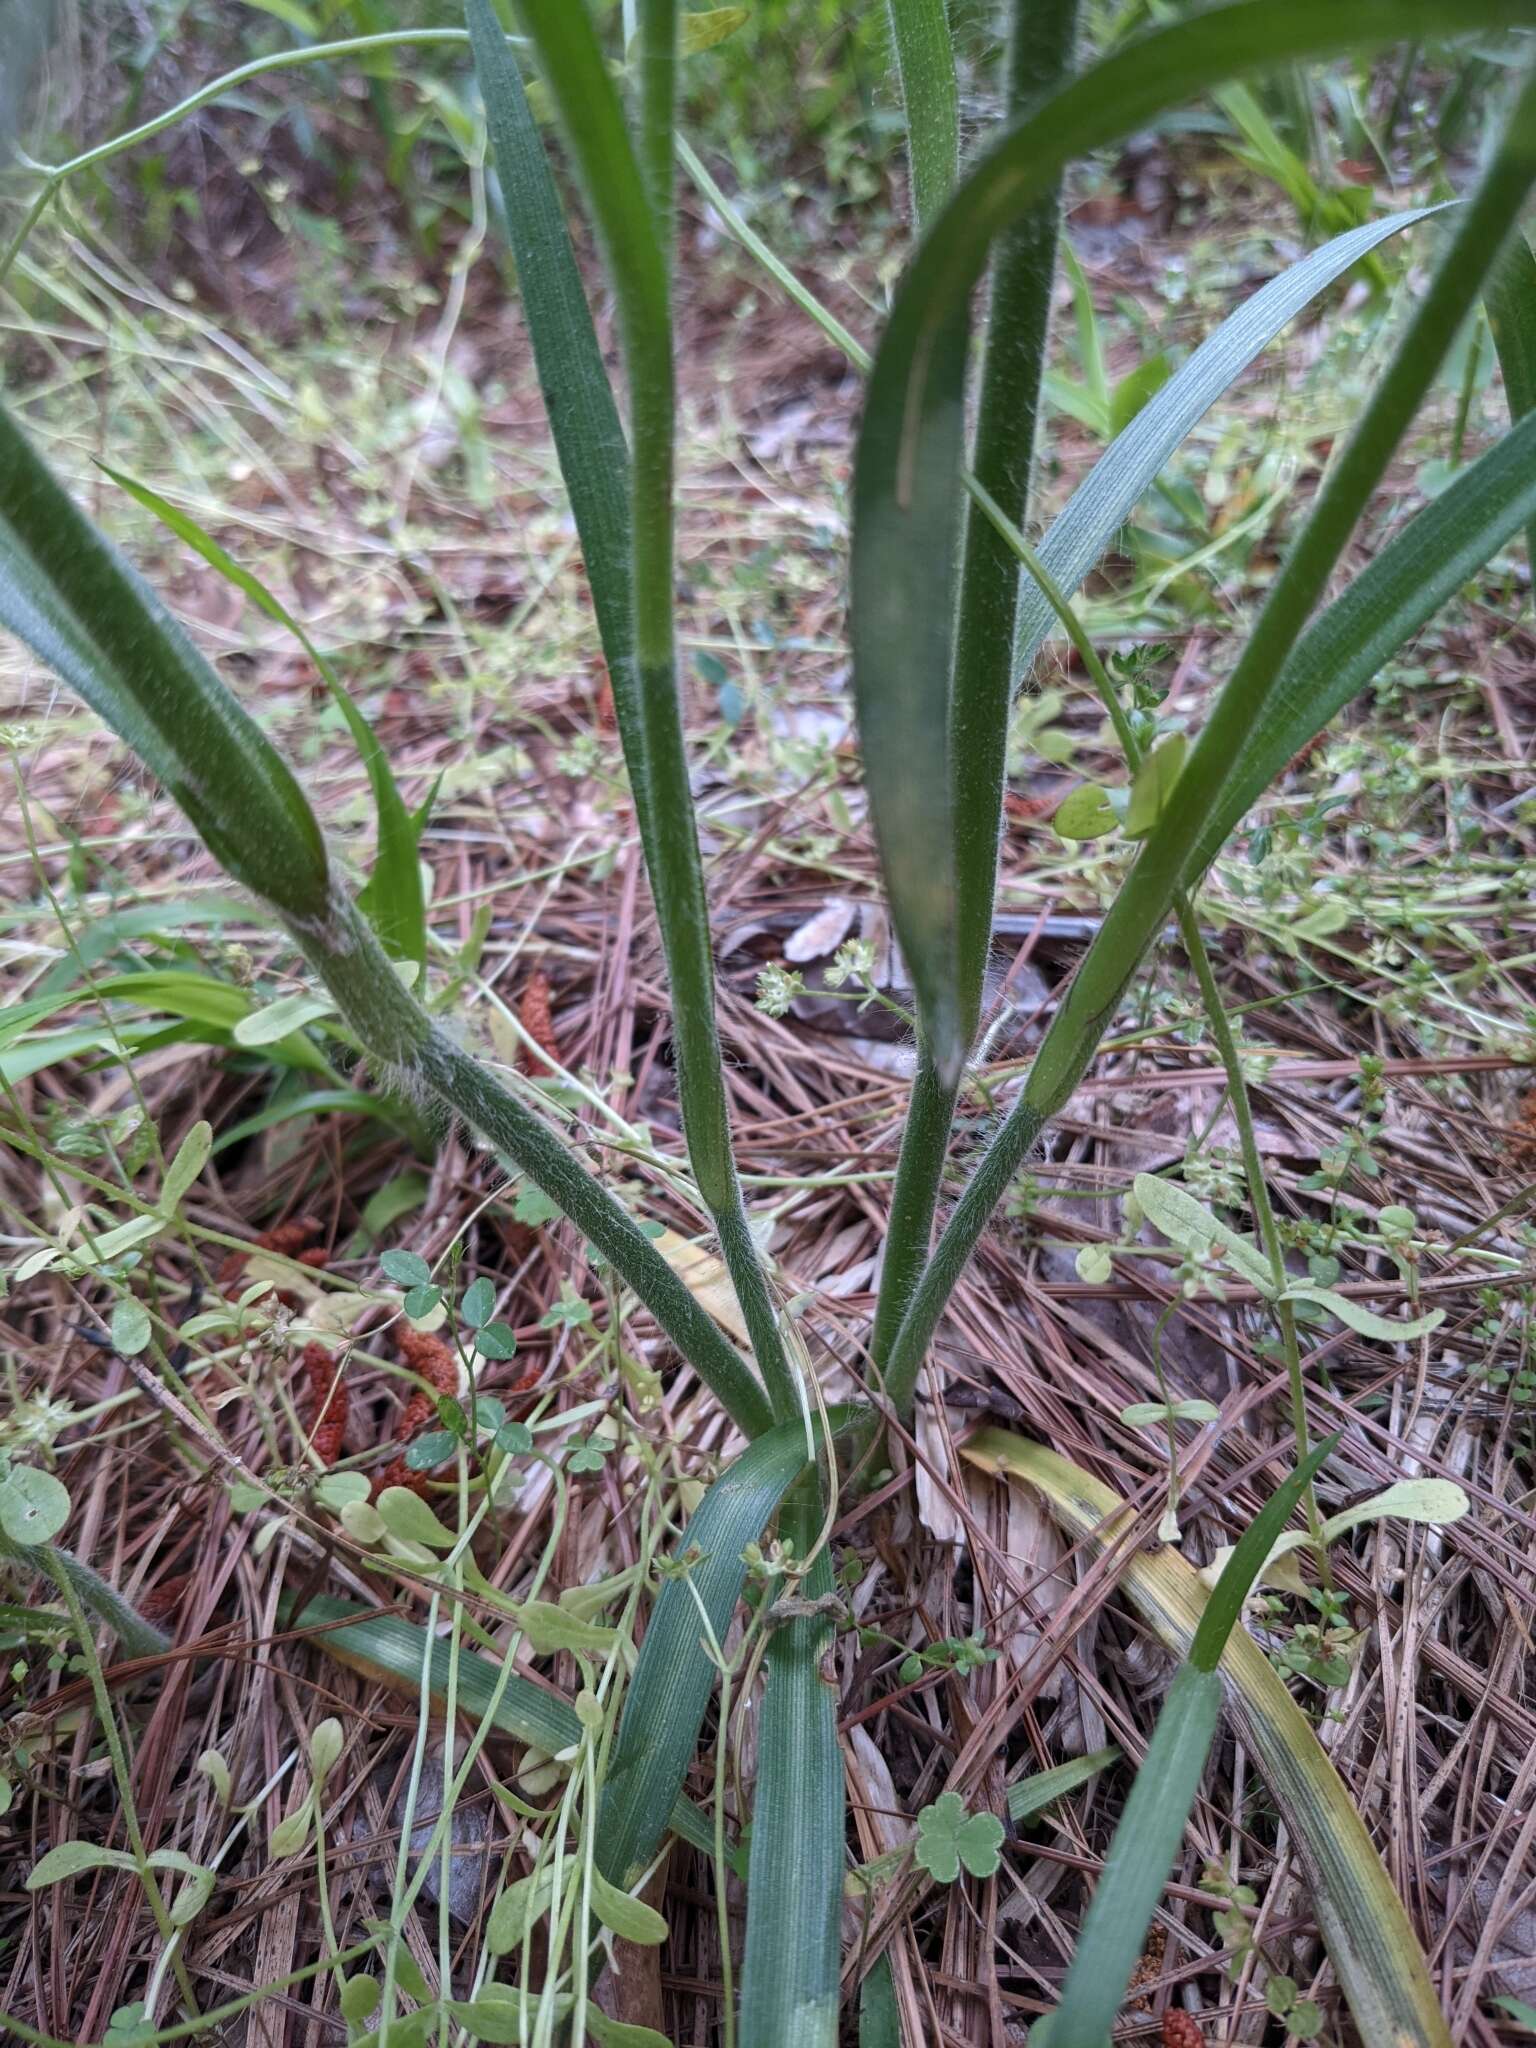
(949, 604)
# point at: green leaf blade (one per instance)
(789, 1979)
(393, 898)
(1107, 496)
(674, 1676)
(71, 597)
(386, 1647)
(578, 397)
(1511, 303)
(1109, 1943)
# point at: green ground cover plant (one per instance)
(950, 603)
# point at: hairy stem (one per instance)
(631, 204)
(397, 1031)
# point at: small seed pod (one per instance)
(1180, 2029)
(328, 1396)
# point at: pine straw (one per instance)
(1434, 1729)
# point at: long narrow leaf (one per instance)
(630, 203)
(789, 1979)
(907, 479)
(74, 600)
(1370, 1942)
(1023, 280)
(391, 1650)
(879, 2012)
(675, 1674)
(1511, 303)
(65, 591)
(1023, 276)
(1114, 1929)
(578, 398)
(1137, 912)
(393, 897)
(1105, 499)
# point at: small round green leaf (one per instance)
(325, 1747)
(406, 1269)
(517, 1909)
(130, 1327)
(1154, 784)
(431, 1450)
(1085, 813)
(34, 1506)
(213, 1767)
(628, 1917)
(337, 1490)
(496, 1341)
(192, 1897)
(292, 1832)
(479, 1300)
(363, 1523)
(359, 1999)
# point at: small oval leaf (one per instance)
(130, 1327)
(408, 1517)
(70, 1859)
(1085, 813)
(1363, 1320)
(34, 1506)
(628, 1917)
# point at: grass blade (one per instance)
(1112, 489)
(907, 480)
(1114, 1929)
(674, 1676)
(1018, 326)
(392, 897)
(925, 63)
(1032, 1795)
(1511, 303)
(879, 2013)
(68, 594)
(1137, 913)
(390, 1649)
(74, 600)
(636, 239)
(1369, 1939)
(1023, 275)
(1109, 1942)
(789, 1979)
(578, 398)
